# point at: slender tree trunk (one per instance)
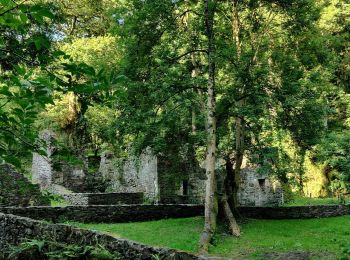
(211, 203)
(239, 122)
(195, 73)
(301, 171)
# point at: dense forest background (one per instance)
(266, 80)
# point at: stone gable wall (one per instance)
(45, 174)
(41, 164)
(131, 175)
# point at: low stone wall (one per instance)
(106, 214)
(83, 199)
(14, 229)
(132, 213)
(300, 212)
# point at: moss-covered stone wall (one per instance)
(17, 190)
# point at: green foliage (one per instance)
(25, 86)
(99, 52)
(42, 249)
(127, 75)
(334, 150)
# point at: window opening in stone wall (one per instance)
(185, 187)
(262, 183)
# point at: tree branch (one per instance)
(186, 53)
(13, 8)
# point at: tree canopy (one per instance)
(266, 80)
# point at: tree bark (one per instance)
(239, 122)
(233, 226)
(227, 199)
(211, 203)
(195, 73)
(301, 171)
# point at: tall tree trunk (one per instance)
(239, 125)
(211, 203)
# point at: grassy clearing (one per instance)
(304, 201)
(258, 236)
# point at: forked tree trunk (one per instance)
(227, 201)
(211, 203)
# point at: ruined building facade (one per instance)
(158, 177)
(161, 179)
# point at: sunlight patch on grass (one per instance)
(305, 201)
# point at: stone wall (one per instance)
(41, 164)
(132, 213)
(72, 177)
(162, 179)
(14, 229)
(103, 198)
(47, 172)
(131, 175)
(258, 190)
(106, 214)
(300, 212)
(178, 179)
(16, 190)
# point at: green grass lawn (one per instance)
(258, 236)
(303, 201)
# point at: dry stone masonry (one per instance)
(172, 178)
(161, 179)
(41, 165)
(259, 190)
(132, 175)
(103, 198)
(70, 182)
(17, 190)
(14, 230)
(132, 213)
(106, 214)
(71, 177)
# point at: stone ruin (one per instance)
(161, 179)
(257, 189)
(71, 181)
(158, 177)
(63, 177)
(17, 190)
